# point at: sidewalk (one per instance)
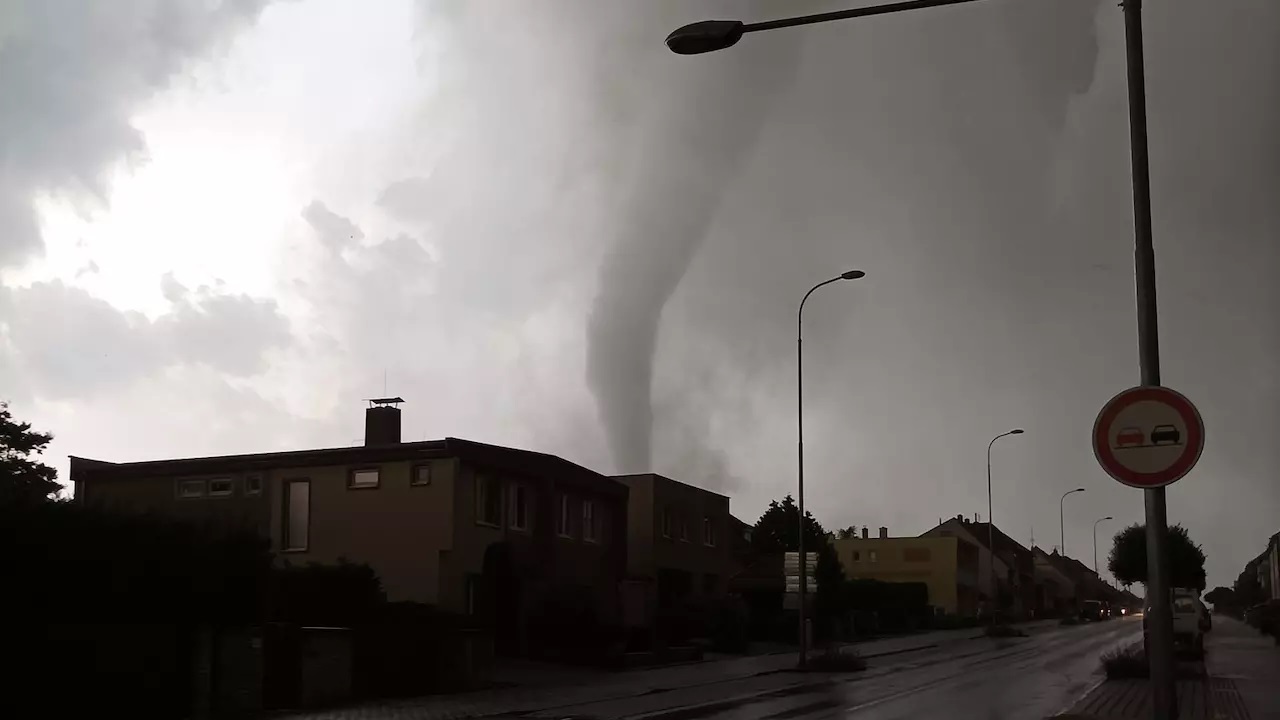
(1241, 673)
(551, 687)
(1240, 656)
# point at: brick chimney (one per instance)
(884, 532)
(866, 532)
(382, 422)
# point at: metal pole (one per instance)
(991, 545)
(1160, 627)
(1062, 526)
(804, 639)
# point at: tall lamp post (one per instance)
(1062, 521)
(1095, 542)
(711, 35)
(848, 275)
(991, 532)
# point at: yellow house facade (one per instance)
(948, 566)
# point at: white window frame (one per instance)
(418, 471)
(354, 484)
(519, 521)
(872, 556)
(249, 481)
(231, 487)
(589, 522)
(564, 527)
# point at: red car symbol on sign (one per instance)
(1130, 437)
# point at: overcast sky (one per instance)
(224, 224)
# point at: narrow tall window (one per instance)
(589, 521)
(562, 518)
(665, 521)
(297, 514)
(488, 500)
(519, 507)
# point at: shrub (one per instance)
(834, 659)
(1004, 631)
(1125, 663)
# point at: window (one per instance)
(857, 556)
(562, 517)
(519, 507)
(684, 529)
(664, 520)
(488, 501)
(297, 514)
(221, 487)
(708, 532)
(589, 521)
(916, 555)
(421, 475)
(191, 489)
(362, 478)
(472, 590)
(871, 555)
(252, 484)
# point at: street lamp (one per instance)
(1062, 527)
(848, 275)
(719, 34)
(991, 545)
(1095, 542)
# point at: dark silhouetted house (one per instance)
(437, 520)
(679, 543)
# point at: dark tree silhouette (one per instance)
(1128, 558)
(1221, 597)
(778, 530)
(23, 478)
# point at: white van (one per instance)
(1190, 617)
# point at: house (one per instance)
(453, 523)
(947, 565)
(1014, 564)
(680, 542)
(1268, 569)
(1056, 593)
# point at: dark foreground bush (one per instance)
(835, 660)
(1004, 631)
(1125, 663)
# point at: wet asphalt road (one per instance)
(1017, 678)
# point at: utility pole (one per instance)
(1160, 629)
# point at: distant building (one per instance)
(1014, 565)
(948, 565)
(680, 543)
(434, 518)
(1268, 564)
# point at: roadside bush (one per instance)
(1004, 631)
(1125, 663)
(834, 659)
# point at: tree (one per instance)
(1248, 591)
(24, 478)
(778, 530)
(1221, 598)
(1128, 558)
(846, 533)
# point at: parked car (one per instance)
(1188, 625)
(1092, 610)
(1266, 617)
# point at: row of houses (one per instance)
(439, 520)
(955, 561)
(1266, 569)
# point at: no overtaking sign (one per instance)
(1148, 437)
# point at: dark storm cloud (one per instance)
(64, 343)
(72, 73)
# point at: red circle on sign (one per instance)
(1180, 467)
